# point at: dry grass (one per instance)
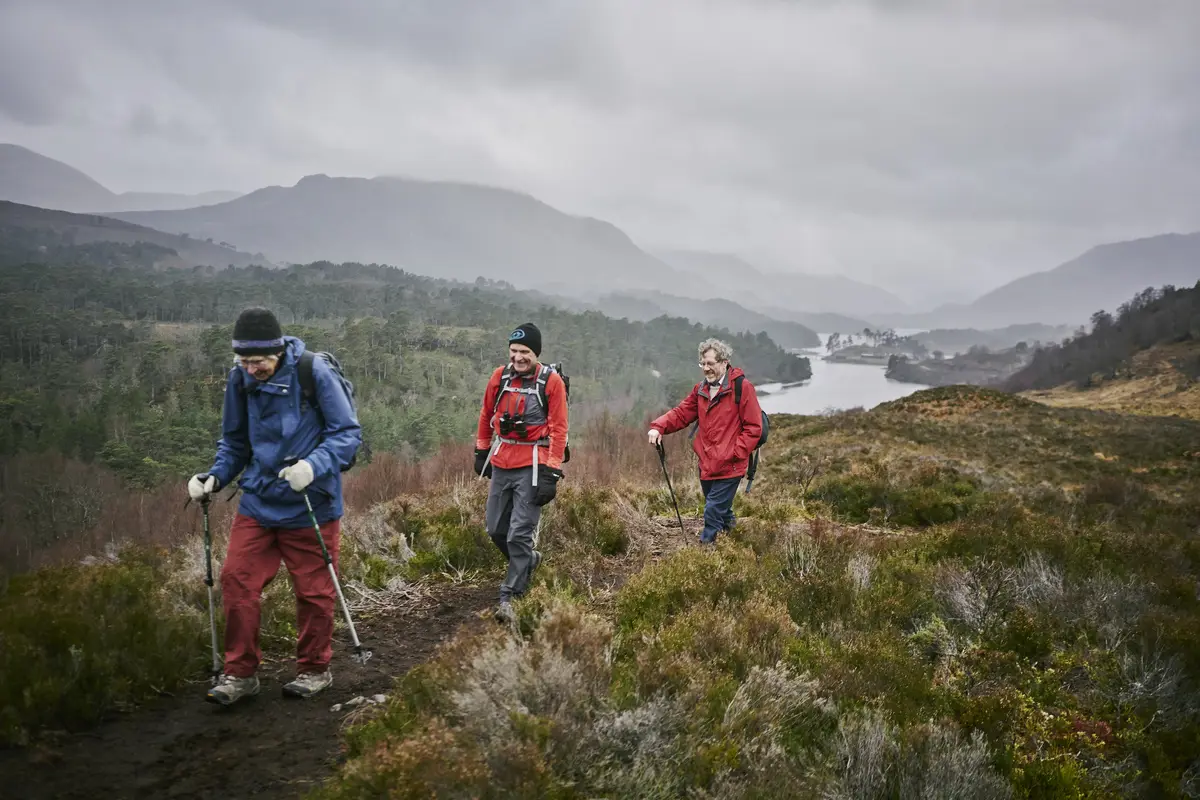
(55, 510)
(1156, 387)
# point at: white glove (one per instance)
(201, 486)
(298, 476)
(654, 436)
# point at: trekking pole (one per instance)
(662, 459)
(360, 655)
(208, 580)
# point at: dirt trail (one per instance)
(266, 747)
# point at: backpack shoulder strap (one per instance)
(304, 370)
(737, 389)
(542, 379)
(506, 377)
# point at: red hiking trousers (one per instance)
(251, 561)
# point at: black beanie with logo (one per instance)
(528, 335)
(257, 333)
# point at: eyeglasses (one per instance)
(254, 362)
(706, 364)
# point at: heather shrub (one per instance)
(445, 537)
(78, 641)
(586, 515)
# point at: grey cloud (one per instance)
(918, 143)
(36, 86)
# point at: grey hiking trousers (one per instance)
(511, 519)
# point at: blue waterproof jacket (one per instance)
(268, 425)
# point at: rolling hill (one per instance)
(959, 340)
(1112, 351)
(645, 306)
(1100, 279)
(27, 232)
(32, 179)
(824, 303)
(445, 230)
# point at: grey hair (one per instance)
(722, 351)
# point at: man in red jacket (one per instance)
(727, 434)
(520, 443)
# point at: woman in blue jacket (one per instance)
(284, 446)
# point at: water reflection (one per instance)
(834, 387)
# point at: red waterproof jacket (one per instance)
(548, 423)
(728, 432)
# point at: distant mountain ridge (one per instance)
(464, 231)
(1099, 279)
(29, 224)
(441, 229)
(33, 179)
(719, 313)
(843, 299)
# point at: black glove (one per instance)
(481, 456)
(547, 486)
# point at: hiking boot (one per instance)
(505, 613)
(309, 683)
(230, 689)
(536, 562)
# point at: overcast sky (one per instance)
(924, 145)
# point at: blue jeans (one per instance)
(718, 507)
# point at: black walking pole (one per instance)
(208, 581)
(662, 459)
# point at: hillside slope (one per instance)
(1161, 381)
(645, 306)
(961, 589)
(29, 233)
(825, 303)
(1100, 279)
(1152, 317)
(32, 179)
(445, 230)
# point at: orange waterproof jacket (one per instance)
(549, 423)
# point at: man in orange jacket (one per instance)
(520, 443)
(730, 424)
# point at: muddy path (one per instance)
(269, 746)
(266, 747)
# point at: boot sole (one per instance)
(300, 695)
(216, 701)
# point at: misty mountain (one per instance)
(645, 306)
(32, 179)
(1102, 278)
(733, 277)
(440, 229)
(959, 340)
(27, 229)
(817, 321)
